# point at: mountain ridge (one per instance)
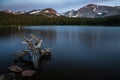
(88, 11)
(7, 19)
(94, 11)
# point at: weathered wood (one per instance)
(31, 44)
(45, 51)
(22, 53)
(38, 41)
(35, 57)
(34, 48)
(34, 37)
(34, 45)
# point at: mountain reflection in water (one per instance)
(77, 51)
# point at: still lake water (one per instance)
(77, 51)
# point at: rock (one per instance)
(15, 69)
(28, 73)
(2, 77)
(9, 76)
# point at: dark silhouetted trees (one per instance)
(10, 19)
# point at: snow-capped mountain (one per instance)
(88, 11)
(13, 12)
(71, 13)
(20, 12)
(33, 12)
(49, 12)
(94, 11)
(8, 11)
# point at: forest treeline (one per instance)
(10, 19)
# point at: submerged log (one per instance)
(22, 53)
(34, 45)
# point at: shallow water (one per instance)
(77, 51)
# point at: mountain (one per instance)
(71, 13)
(48, 12)
(8, 11)
(94, 11)
(33, 12)
(88, 11)
(13, 12)
(117, 7)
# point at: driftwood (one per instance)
(31, 44)
(45, 51)
(34, 45)
(27, 41)
(22, 53)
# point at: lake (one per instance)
(78, 52)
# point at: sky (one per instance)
(59, 5)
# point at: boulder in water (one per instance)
(9, 76)
(28, 73)
(2, 77)
(15, 68)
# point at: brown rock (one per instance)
(28, 73)
(15, 68)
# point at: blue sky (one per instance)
(59, 5)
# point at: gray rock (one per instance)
(9, 76)
(28, 73)
(2, 77)
(15, 68)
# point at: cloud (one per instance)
(59, 5)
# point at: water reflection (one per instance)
(27, 63)
(76, 50)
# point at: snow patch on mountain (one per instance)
(99, 13)
(34, 12)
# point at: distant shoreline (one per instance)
(23, 20)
